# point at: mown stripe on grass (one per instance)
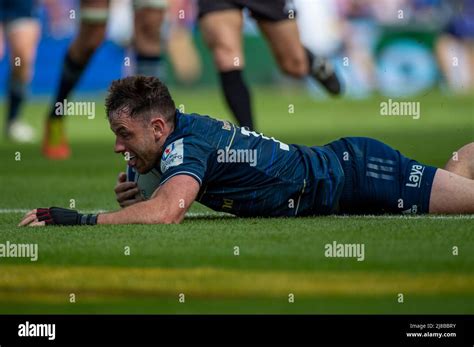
(222, 283)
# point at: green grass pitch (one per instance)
(279, 259)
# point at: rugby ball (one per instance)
(147, 183)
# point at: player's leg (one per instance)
(453, 186)
(374, 176)
(221, 26)
(91, 34)
(380, 179)
(293, 58)
(462, 162)
(22, 34)
(149, 15)
(283, 37)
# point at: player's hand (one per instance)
(127, 193)
(57, 216)
(30, 219)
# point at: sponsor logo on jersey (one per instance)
(414, 180)
(172, 155)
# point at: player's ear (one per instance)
(158, 125)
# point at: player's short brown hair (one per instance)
(140, 97)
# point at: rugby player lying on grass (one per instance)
(198, 158)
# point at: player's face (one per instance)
(137, 141)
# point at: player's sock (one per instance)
(55, 144)
(70, 75)
(237, 96)
(14, 129)
(16, 94)
(148, 65)
(322, 70)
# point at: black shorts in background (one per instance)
(269, 10)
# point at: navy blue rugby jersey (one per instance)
(248, 174)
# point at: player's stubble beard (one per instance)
(152, 150)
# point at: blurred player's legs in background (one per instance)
(222, 32)
(149, 15)
(453, 186)
(94, 15)
(21, 30)
(221, 24)
(455, 47)
(181, 49)
(294, 59)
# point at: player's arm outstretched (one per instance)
(168, 205)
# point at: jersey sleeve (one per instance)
(185, 156)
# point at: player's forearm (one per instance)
(146, 212)
(167, 206)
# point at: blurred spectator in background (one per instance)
(389, 45)
(320, 28)
(360, 34)
(93, 15)
(455, 48)
(20, 27)
(319, 24)
(404, 53)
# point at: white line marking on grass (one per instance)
(370, 216)
(208, 214)
(24, 210)
(188, 214)
(223, 214)
(13, 210)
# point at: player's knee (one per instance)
(462, 161)
(22, 67)
(148, 27)
(227, 59)
(148, 33)
(24, 73)
(147, 39)
(90, 40)
(296, 66)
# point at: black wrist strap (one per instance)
(88, 219)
